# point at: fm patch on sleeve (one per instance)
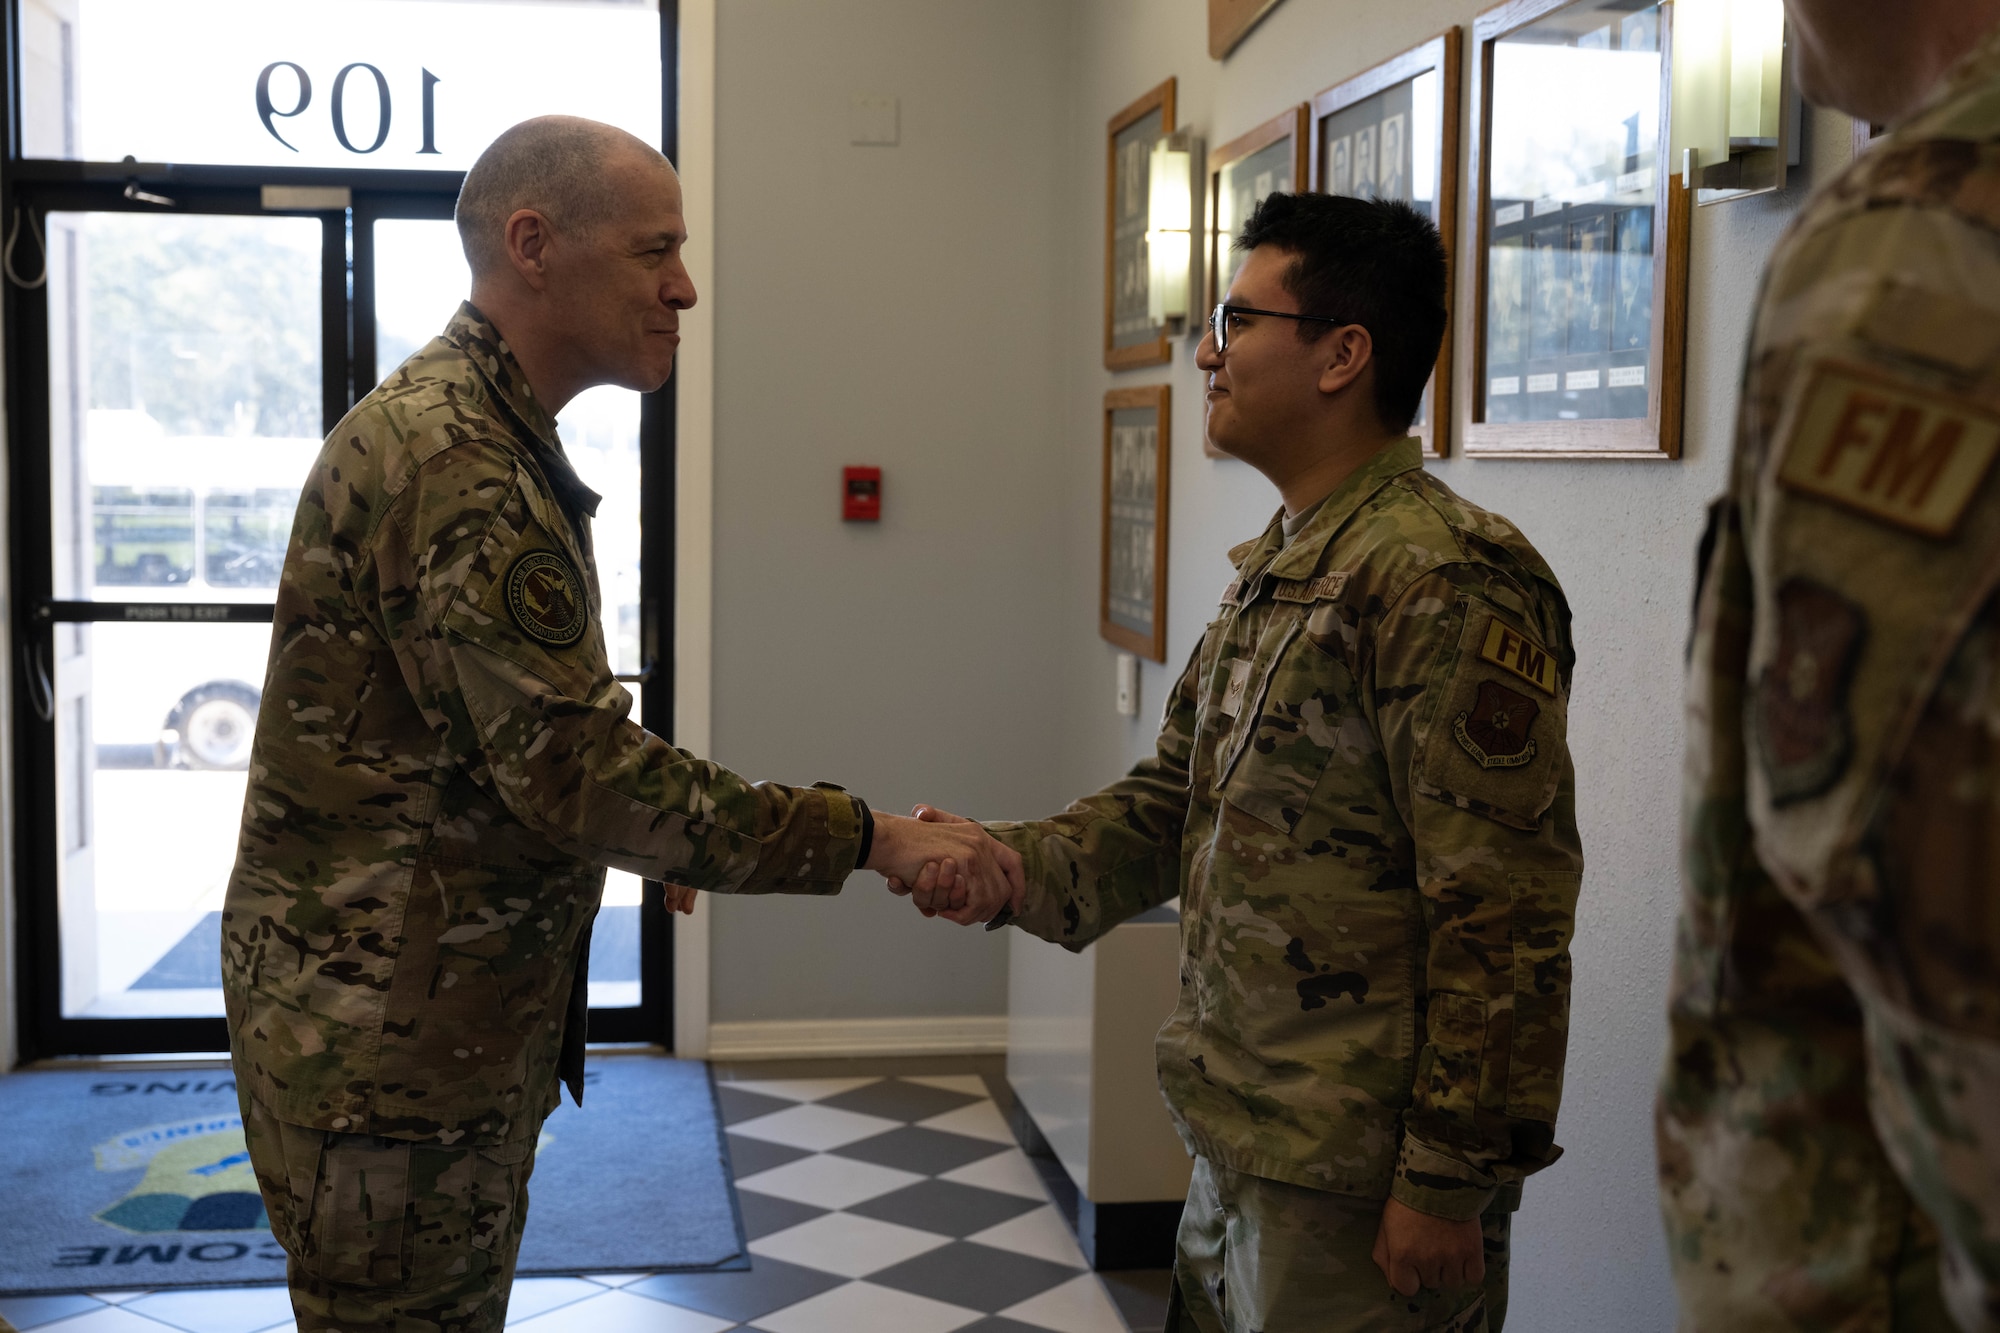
(1888, 449)
(1494, 731)
(547, 598)
(1513, 651)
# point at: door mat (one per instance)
(119, 1180)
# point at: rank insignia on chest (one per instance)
(1894, 451)
(1495, 730)
(547, 599)
(1239, 680)
(1799, 706)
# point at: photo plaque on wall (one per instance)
(1230, 21)
(1131, 337)
(1269, 159)
(1391, 132)
(1132, 588)
(1580, 271)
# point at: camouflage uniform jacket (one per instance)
(443, 765)
(1362, 794)
(1836, 1006)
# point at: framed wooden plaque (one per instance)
(1580, 252)
(1230, 21)
(1270, 159)
(1132, 584)
(1391, 132)
(1131, 338)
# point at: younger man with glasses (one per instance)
(1363, 796)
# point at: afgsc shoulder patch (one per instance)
(1897, 452)
(547, 598)
(1494, 731)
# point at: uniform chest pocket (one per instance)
(1286, 731)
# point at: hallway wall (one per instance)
(1621, 536)
(896, 306)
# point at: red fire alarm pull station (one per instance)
(861, 494)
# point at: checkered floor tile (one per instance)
(870, 1203)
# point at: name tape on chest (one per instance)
(1514, 652)
(1308, 590)
(1890, 450)
(547, 599)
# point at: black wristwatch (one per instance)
(867, 830)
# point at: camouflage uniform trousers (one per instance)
(1263, 1256)
(389, 1236)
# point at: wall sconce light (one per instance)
(1735, 122)
(1170, 215)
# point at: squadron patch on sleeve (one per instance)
(547, 598)
(1494, 731)
(1799, 707)
(1897, 452)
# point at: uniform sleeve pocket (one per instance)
(528, 599)
(1449, 1082)
(1496, 744)
(1543, 916)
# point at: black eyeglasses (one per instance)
(1218, 320)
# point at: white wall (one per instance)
(898, 307)
(1620, 536)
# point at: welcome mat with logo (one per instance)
(116, 1180)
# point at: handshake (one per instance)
(948, 865)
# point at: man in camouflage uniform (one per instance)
(1363, 797)
(1831, 1104)
(444, 765)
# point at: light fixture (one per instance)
(1735, 121)
(1170, 214)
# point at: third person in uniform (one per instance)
(1831, 1104)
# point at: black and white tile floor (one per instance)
(875, 1200)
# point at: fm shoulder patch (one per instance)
(547, 598)
(1514, 652)
(1897, 452)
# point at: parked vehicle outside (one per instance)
(184, 519)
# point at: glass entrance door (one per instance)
(193, 362)
(185, 392)
(219, 232)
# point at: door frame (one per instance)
(37, 186)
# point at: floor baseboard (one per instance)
(977, 1034)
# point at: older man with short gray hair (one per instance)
(444, 765)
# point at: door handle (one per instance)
(41, 688)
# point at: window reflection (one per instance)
(1573, 187)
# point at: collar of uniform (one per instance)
(1979, 65)
(473, 334)
(1301, 556)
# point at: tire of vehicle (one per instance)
(216, 723)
